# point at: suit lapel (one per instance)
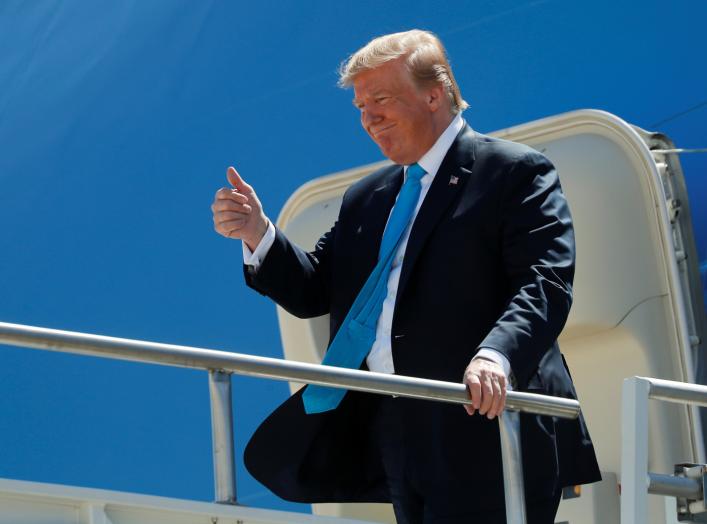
(451, 177)
(375, 209)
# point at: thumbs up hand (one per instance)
(237, 211)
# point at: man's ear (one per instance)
(435, 97)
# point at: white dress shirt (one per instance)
(380, 358)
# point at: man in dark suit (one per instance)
(478, 288)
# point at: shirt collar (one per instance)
(431, 160)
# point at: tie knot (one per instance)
(415, 172)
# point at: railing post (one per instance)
(222, 437)
(511, 455)
(634, 451)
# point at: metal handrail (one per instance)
(220, 364)
(275, 368)
(636, 481)
(678, 392)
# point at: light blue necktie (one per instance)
(357, 332)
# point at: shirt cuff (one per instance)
(498, 358)
(255, 258)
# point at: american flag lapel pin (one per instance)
(453, 180)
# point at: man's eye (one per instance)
(382, 99)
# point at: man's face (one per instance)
(397, 115)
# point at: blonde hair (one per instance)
(425, 58)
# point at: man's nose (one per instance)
(369, 117)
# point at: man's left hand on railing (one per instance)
(486, 382)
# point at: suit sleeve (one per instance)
(538, 254)
(297, 280)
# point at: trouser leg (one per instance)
(389, 439)
(537, 512)
(413, 504)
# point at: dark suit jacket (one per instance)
(489, 263)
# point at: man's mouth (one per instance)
(376, 132)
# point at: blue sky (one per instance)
(117, 122)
